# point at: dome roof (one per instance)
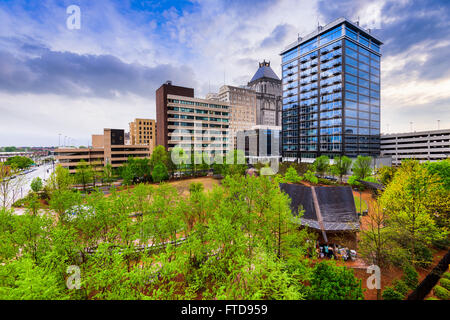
(264, 71)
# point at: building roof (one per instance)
(264, 71)
(336, 205)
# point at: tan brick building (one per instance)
(106, 148)
(143, 132)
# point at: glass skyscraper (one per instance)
(331, 93)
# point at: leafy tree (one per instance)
(311, 177)
(386, 174)
(412, 200)
(362, 167)
(107, 175)
(331, 282)
(36, 184)
(321, 164)
(160, 173)
(19, 162)
(341, 166)
(10, 184)
(63, 200)
(60, 179)
(442, 169)
(292, 175)
(389, 293)
(83, 174)
(158, 155)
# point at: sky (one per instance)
(60, 82)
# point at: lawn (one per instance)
(357, 201)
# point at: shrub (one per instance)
(445, 283)
(431, 298)
(160, 172)
(401, 286)
(441, 292)
(311, 177)
(391, 294)
(410, 276)
(446, 275)
(292, 175)
(36, 184)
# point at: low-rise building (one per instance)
(143, 131)
(106, 148)
(423, 146)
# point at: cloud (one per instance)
(72, 74)
(278, 35)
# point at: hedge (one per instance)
(441, 293)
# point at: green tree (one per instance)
(341, 166)
(411, 201)
(19, 162)
(60, 179)
(331, 282)
(362, 167)
(160, 172)
(292, 175)
(107, 175)
(321, 165)
(36, 184)
(441, 169)
(83, 174)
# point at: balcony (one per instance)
(313, 71)
(313, 57)
(336, 72)
(303, 68)
(303, 60)
(314, 63)
(325, 68)
(337, 63)
(337, 89)
(303, 75)
(336, 46)
(290, 74)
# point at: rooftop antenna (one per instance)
(411, 125)
(439, 124)
(357, 21)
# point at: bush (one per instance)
(424, 256)
(431, 298)
(441, 293)
(446, 275)
(445, 283)
(410, 276)
(401, 286)
(391, 294)
(311, 177)
(326, 181)
(160, 173)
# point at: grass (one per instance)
(357, 201)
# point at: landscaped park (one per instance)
(158, 230)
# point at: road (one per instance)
(42, 171)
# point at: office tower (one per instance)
(195, 125)
(268, 90)
(331, 93)
(143, 131)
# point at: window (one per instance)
(351, 130)
(290, 55)
(351, 78)
(350, 104)
(351, 53)
(351, 70)
(364, 83)
(350, 44)
(364, 67)
(351, 62)
(350, 33)
(351, 113)
(364, 91)
(350, 95)
(363, 75)
(363, 40)
(363, 107)
(374, 78)
(351, 122)
(331, 35)
(363, 115)
(351, 87)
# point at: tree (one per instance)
(331, 282)
(11, 183)
(160, 173)
(107, 176)
(386, 174)
(83, 174)
(442, 169)
(36, 184)
(413, 200)
(60, 179)
(341, 166)
(19, 162)
(292, 175)
(321, 164)
(311, 177)
(362, 167)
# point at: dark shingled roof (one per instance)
(265, 71)
(336, 205)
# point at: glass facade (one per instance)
(331, 95)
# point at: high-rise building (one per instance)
(268, 90)
(243, 108)
(143, 131)
(331, 93)
(195, 125)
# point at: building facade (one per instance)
(143, 131)
(331, 93)
(243, 108)
(195, 125)
(106, 148)
(268, 89)
(260, 143)
(423, 146)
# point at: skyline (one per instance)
(77, 82)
